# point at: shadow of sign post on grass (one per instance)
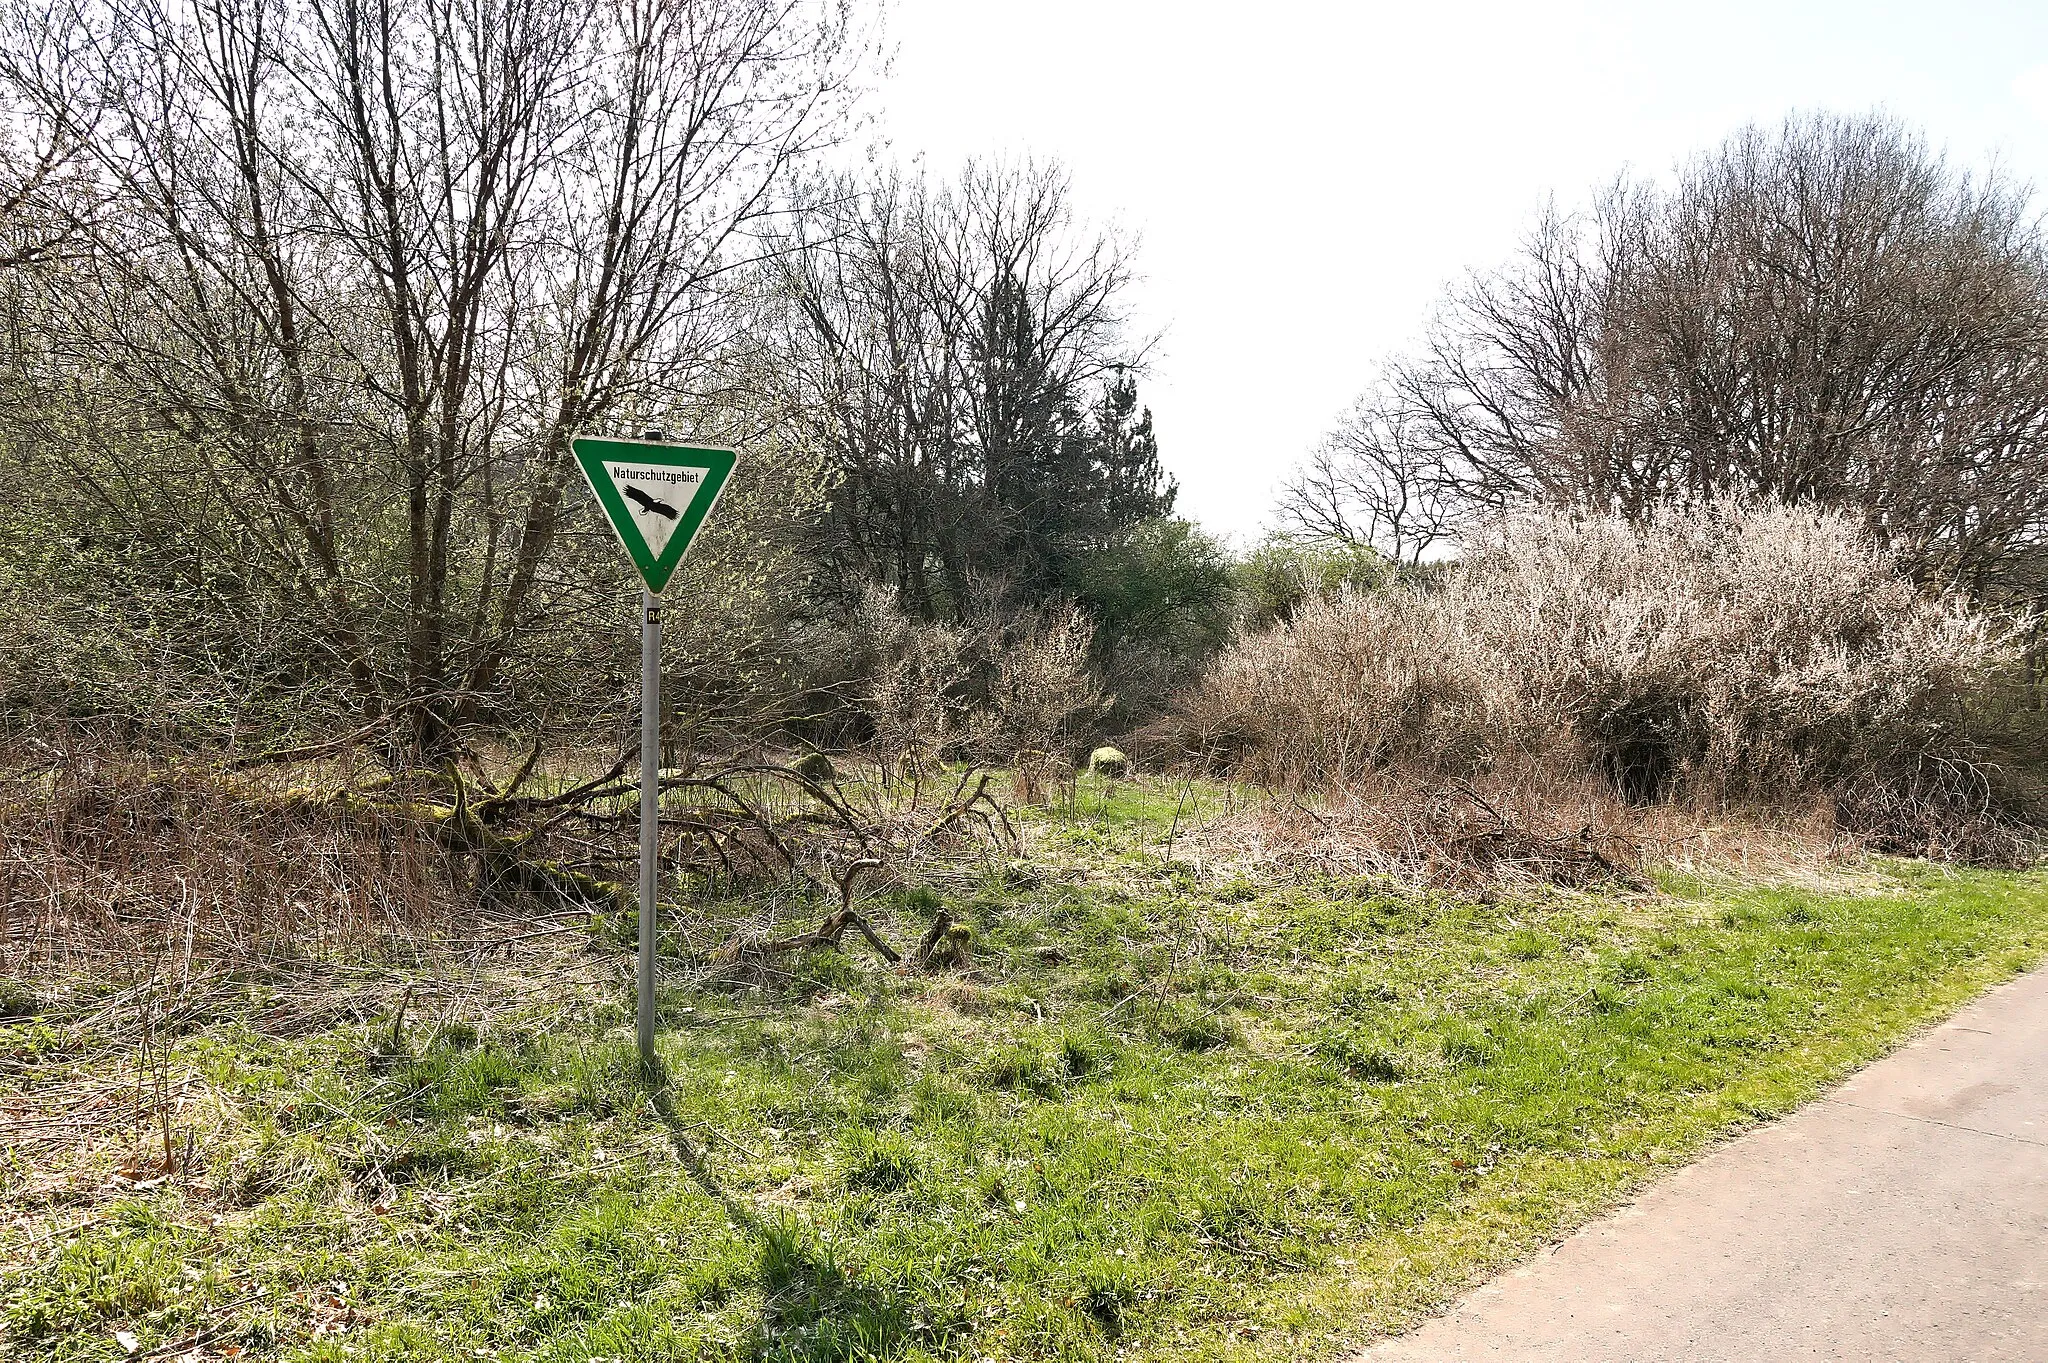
(814, 1307)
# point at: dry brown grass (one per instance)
(119, 856)
(1417, 830)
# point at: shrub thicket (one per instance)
(1716, 653)
(1007, 685)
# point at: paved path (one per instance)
(1904, 1216)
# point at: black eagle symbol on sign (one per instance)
(648, 504)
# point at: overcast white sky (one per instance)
(1305, 178)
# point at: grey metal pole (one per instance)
(650, 813)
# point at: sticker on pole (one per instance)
(656, 495)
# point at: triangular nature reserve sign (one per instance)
(655, 494)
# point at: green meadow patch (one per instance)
(1161, 1114)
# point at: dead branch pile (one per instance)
(1945, 811)
(172, 862)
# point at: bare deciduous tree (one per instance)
(1824, 313)
(1375, 480)
(946, 345)
(367, 265)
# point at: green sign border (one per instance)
(717, 463)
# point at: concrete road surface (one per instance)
(1904, 1216)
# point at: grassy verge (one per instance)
(1162, 1116)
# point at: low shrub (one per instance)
(1007, 683)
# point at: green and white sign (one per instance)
(656, 494)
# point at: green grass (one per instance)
(1165, 1117)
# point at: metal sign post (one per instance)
(650, 817)
(657, 496)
